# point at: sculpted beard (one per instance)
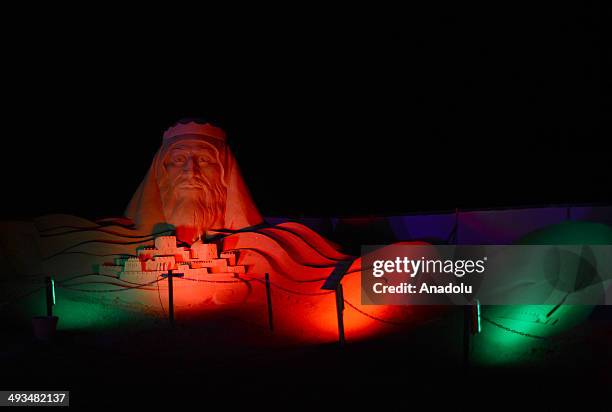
(199, 209)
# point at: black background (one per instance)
(329, 112)
(335, 115)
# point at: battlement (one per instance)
(204, 251)
(232, 257)
(200, 259)
(165, 242)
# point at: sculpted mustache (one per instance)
(192, 181)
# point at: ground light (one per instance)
(535, 334)
(50, 295)
(478, 319)
(53, 289)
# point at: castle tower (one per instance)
(204, 251)
(165, 242)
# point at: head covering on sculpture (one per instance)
(194, 184)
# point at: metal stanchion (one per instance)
(171, 275)
(269, 300)
(340, 313)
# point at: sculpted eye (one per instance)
(204, 160)
(179, 159)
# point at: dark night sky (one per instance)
(467, 111)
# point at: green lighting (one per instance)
(524, 336)
(53, 289)
(478, 314)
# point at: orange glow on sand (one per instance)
(194, 190)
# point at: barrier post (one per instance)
(50, 295)
(269, 300)
(340, 313)
(333, 282)
(171, 275)
(472, 326)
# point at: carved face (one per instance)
(191, 186)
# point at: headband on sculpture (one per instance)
(191, 128)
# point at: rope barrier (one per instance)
(110, 232)
(13, 300)
(113, 242)
(139, 286)
(390, 322)
(518, 332)
(293, 291)
(97, 254)
(213, 281)
(144, 286)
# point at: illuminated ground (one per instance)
(102, 353)
(227, 358)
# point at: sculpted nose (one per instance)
(191, 167)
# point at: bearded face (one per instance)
(192, 190)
